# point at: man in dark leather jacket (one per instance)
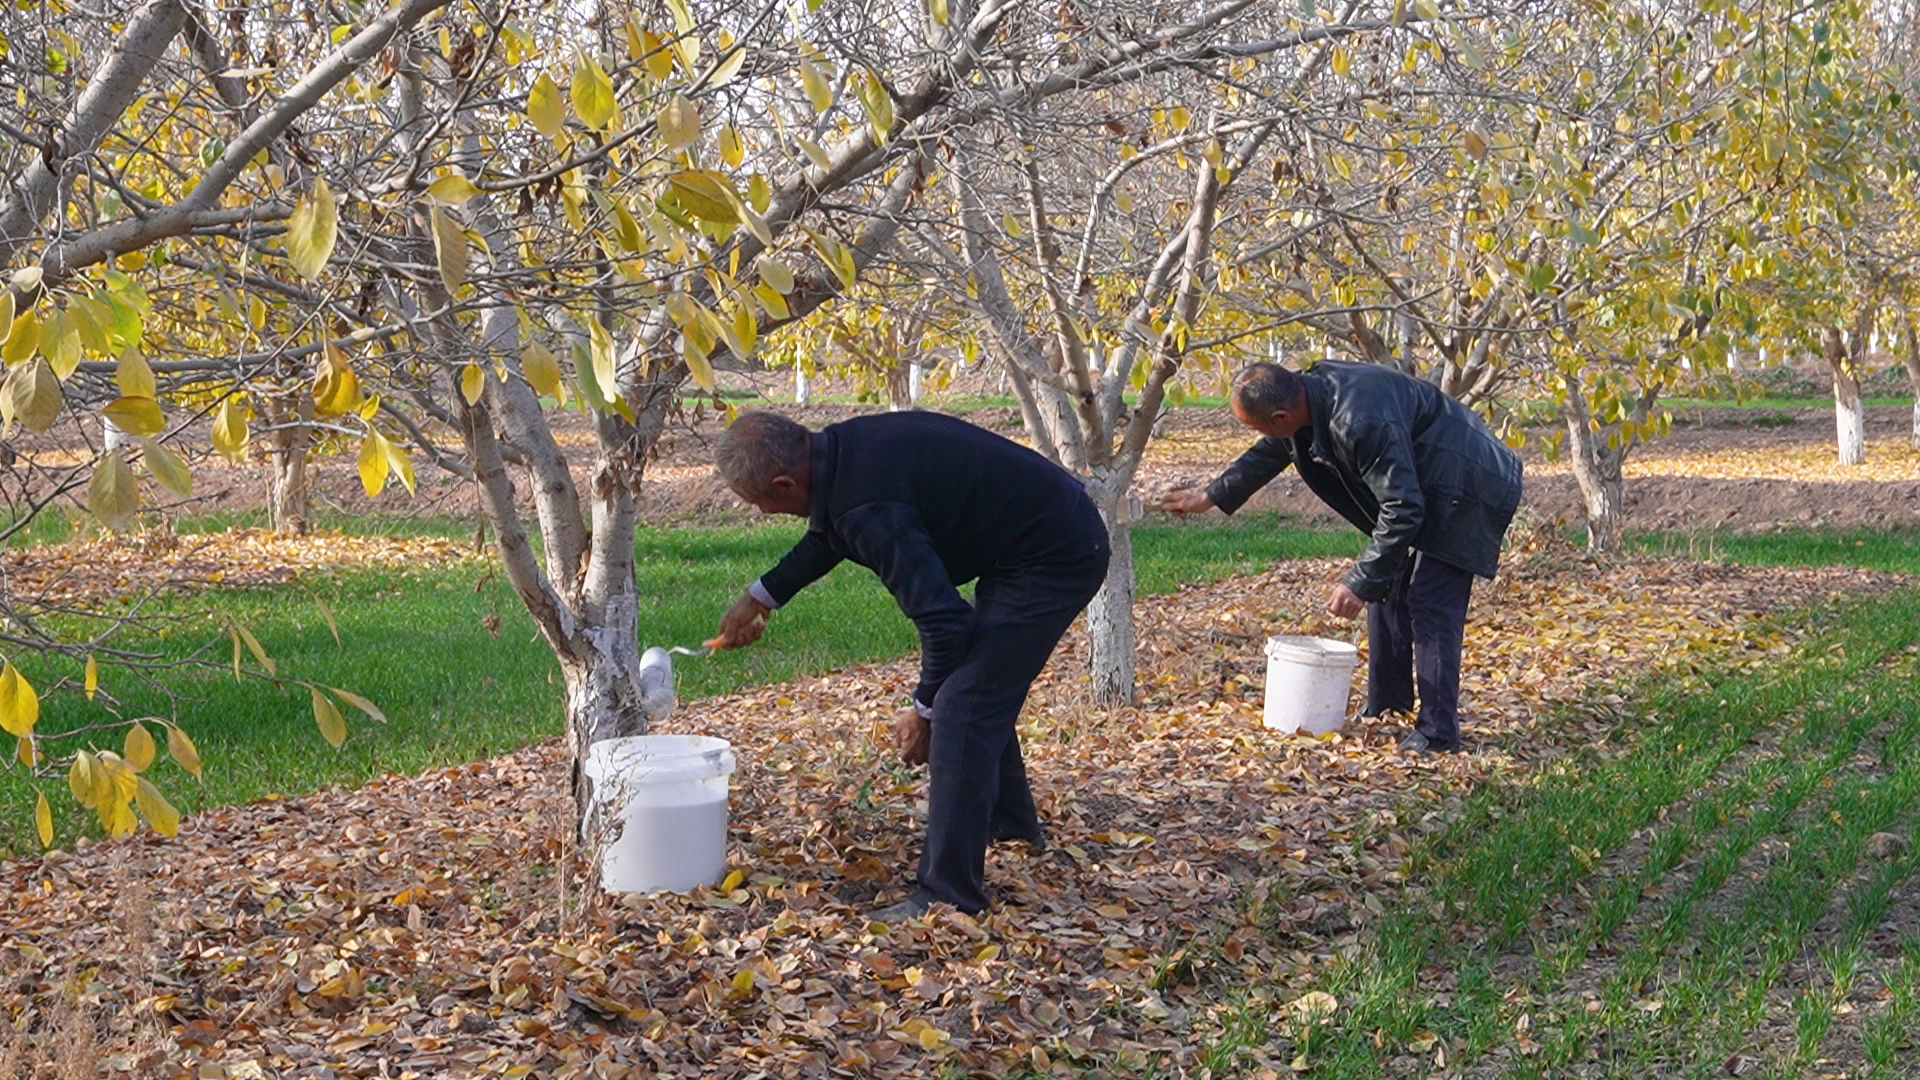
(1418, 472)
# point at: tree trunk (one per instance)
(602, 684)
(1913, 375)
(802, 391)
(1849, 416)
(1596, 469)
(292, 496)
(899, 398)
(1110, 615)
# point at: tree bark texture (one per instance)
(1596, 470)
(288, 449)
(1913, 375)
(1849, 416)
(1110, 635)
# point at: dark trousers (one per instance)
(977, 781)
(1414, 635)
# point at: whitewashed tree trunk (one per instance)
(802, 387)
(916, 376)
(1110, 635)
(111, 437)
(289, 440)
(1597, 473)
(1849, 415)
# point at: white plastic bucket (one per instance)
(660, 811)
(1308, 679)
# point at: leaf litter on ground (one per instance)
(442, 925)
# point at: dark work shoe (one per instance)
(914, 906)
(1417, 743)
(1036, 842)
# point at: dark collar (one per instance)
(820, 481)
(1319, 413)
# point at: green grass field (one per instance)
(417, 644)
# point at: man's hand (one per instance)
(1343, 604)
(742, 623)
(912, 736)
(1183, 501)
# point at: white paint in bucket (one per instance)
(660, 804)
(1308, 679)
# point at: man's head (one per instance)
(1270, 399)
(767, 460)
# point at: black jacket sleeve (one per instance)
(890, 538)
(1383, 456)
(807, 562)
(1249, 473)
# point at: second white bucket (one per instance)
(660, 804)
(1308, 679)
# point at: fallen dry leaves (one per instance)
(432, 926)
(97, 571)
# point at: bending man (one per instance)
(1415, 469)
(930, 503)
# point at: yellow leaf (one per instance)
(23, 337)
(113, 495)
(33, 396)
(19, 702)
(731, 150)
(449, 248)
(732, 881)
(28, 752)
(540, 368)
(1475, 143)
(938, 9)
(878, 105)
(312, 230)
(333, 726)
(659, 55)
(452, 189)
(336, 388)
(625, 229)
(253, 646)
(139, 747)
(1314, 1005)
(182, 751)
(814, 81)
(771, 300)
(1179, 118)
(729, 66)
(706, 195)
(759, 193)
(1341, 62)
(80, 779)
(743, 983)
(401, 464)
(136, 415)
(372, 464)
(776, 274)
(6, 314)
(92, 677)
(679, 122)
(43, 819)
(601, 346)
(60, 343)
(473, 382)
(931, 1037)
(544, 107)
(166, 467)
(155, 808)
(116, 818)
(697, 363)
(230, 428)
(593, 94)
(358, 702)
(134, 376)
(746, 331)
(327, 614)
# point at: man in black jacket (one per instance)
(930, 503)
(1415, 469)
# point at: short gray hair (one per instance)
(757, 447)
(1263, 389)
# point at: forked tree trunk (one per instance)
(1850, 423)
(1110, 615)
(1596, 470)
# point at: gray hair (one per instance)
(757, 447)
(1263, 389)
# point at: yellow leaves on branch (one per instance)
(333, 726)
(380, 457)
(31, 395)
(111, 786)
(542, 371)
(679, 122)
(545, 109)
(311, 231)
